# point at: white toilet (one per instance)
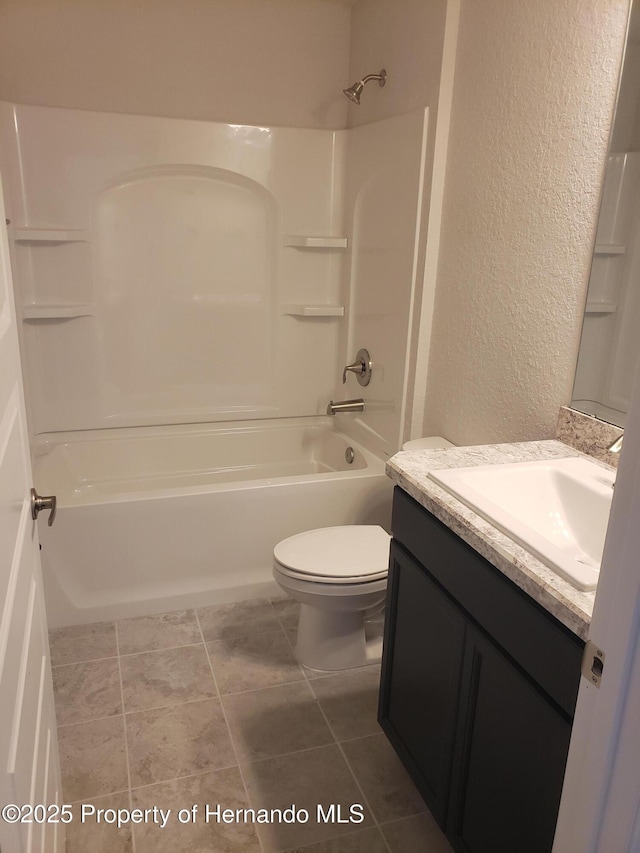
(339, 576)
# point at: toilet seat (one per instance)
(347, 554)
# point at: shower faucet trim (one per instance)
(362, 368)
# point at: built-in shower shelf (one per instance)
(322, 310)
(301, 242)
(50, 235)
(57, 312)
(601, 307)
(610, 249)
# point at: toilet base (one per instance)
(330, 640)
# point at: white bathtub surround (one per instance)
(218, 277)
(410, 471)
(188, 271)
(588, 434)
(155, 279)
(175, 517)
(385, 164)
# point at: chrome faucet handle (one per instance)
(357, 367)
(361, 367)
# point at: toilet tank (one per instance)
(432, 442)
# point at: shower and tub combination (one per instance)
(189, 295)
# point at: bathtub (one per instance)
(165, 518)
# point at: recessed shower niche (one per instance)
(185, 266)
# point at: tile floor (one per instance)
(210, 706)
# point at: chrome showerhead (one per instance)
(354, 92)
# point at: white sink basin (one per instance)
(557, 509)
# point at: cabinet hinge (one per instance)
(593, 663)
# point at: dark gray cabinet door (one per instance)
(422, 665)
(511, 751)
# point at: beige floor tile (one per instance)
(292, 636)
(90, 835)
(374, 627)
(92, 757)
(145, 633)
(275, 720)
(87, 691)
(179, 741)
(369, 841)
(224, 787)
(250, 663)
(306, 779)
(239, 619)
(418, 834)
(79, 643)
(166, 677)
(350, 702)
(386, 785)
(287, 611)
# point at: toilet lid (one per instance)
(347, 553)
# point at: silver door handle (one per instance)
(38, 504)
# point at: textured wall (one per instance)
(533, 96)
(280, 62)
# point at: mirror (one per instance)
(610, 343)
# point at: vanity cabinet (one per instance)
(478, 689)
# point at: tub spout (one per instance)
(345, 406)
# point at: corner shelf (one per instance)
(50, 235)
(57, 312)
(609, 249)
(323, 310)
(601, 307)
(301, 242)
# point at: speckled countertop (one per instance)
(409, 470)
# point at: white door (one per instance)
(29, 762)
(600, 807)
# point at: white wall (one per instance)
(279, 62)
(533, 96)
(405, 37)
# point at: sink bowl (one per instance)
(557, 509)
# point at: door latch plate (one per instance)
(593, 663)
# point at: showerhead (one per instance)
(354, 92)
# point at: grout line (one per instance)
(163, 649)
(434, 833)
(337, 743)
(77, 662)
(126, 744)
(357, 831)
(302, 680)
(144, 710)
(289, 754)
(346, 760)
(274, 630)
(182, 778)
(362, 737)
(174, 705)
(98, 797)
(233, 745)
(91, 719)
